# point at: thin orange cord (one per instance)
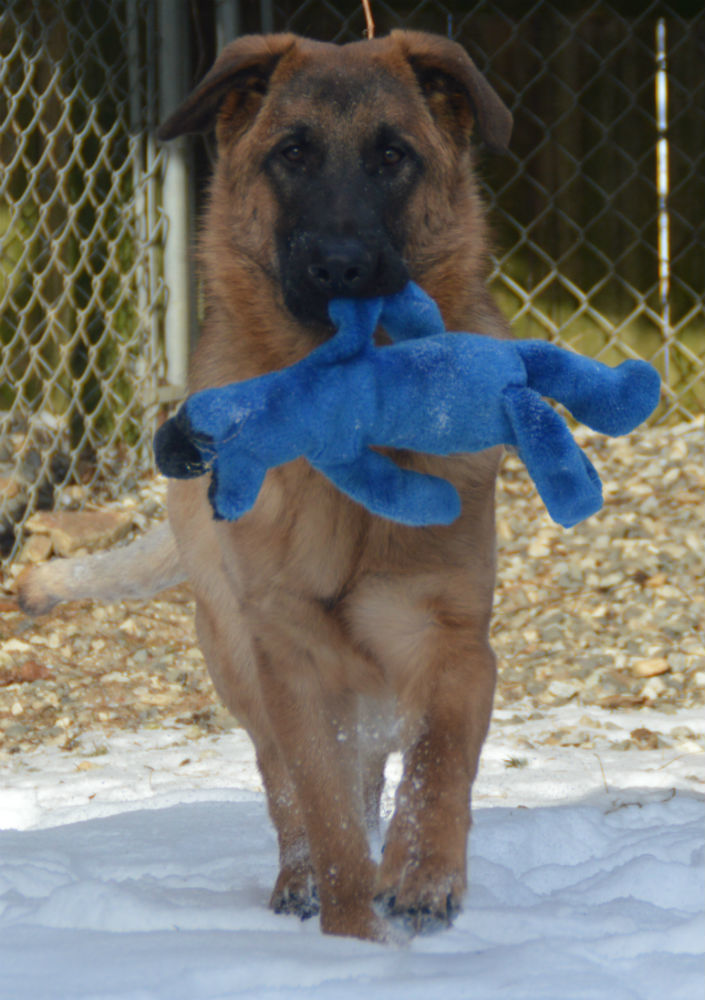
(369, 21)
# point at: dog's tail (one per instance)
(138, 570)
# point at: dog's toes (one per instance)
(419, 918)
(384, 902)
(428, 919)
(296, 903)
(295, 893)
(423, 898)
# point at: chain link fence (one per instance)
(80, 235)
(597, 211)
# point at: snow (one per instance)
(141, 867)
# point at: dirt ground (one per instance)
(610, 613)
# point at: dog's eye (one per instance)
(392, 156)
(293, 154)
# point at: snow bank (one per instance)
(144, 872)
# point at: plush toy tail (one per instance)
(565, 478)
(610, 400)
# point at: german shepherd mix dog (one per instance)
(333, 635)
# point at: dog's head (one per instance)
(343, 168)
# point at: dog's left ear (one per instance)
(239, 79)
(457, 93)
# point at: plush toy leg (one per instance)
(235, 485)
(402, 495)
(564, 477)
(609, 400)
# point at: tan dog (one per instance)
(335, 636)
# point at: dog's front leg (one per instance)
(311, 717)
(423, 877)
(231, 661)
(295, 890)
(429, 633)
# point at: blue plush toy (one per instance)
(430, 391)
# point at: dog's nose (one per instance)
(340, 267)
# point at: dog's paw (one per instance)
(419, 918)
(424, 900)
(295, 893)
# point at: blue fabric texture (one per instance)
(430, 391)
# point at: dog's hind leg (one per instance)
(376, 739)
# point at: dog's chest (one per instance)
(302, 535)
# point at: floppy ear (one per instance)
(455, 90)
(235, 84)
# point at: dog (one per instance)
(333, 635)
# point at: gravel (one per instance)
(607, 616)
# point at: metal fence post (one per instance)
(227, 22)
(662, 189)
(266, 8)
(173, 80)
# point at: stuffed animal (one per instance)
(429, 391)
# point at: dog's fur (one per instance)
(335, 636)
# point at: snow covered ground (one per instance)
(140, 868)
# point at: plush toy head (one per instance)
(430, 391)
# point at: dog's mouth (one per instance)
(317, 271)
(313, 311)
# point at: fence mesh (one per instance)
(597, 210)
(79, 234)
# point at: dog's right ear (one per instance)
(457, 93)
(234, 87)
